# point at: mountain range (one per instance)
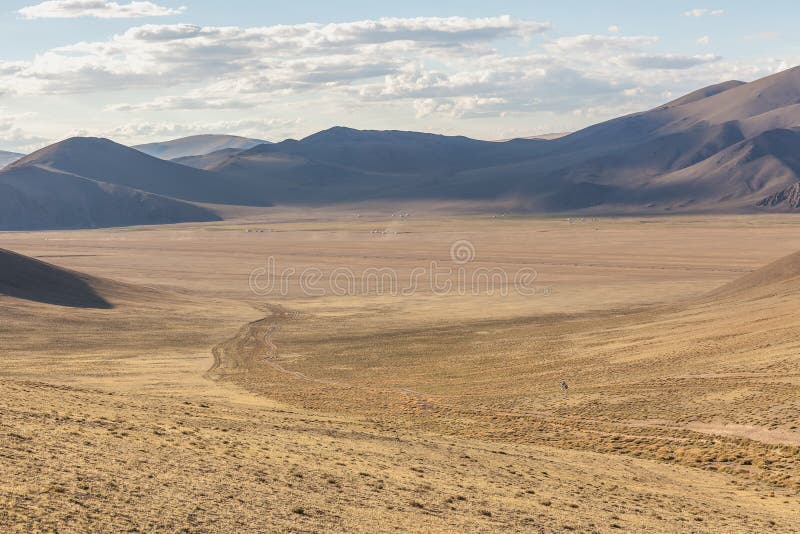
(731, 147)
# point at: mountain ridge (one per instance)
(6, 158)
(35, 197)
(197, 145)
(106, 161)
(729, 147)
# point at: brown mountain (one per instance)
(728, 147)
(110, 162)
(33, 197)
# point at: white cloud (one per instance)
(265, 58)
(103, 9)
(145, 130)
(164, 103)
(614, 28)
(764, 36)
(701, 12)
(461, 107)
(596, 44)
(704, 40)
(668, 61)
(452, 73)
(15, 137)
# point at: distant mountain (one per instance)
(8, 157)
(544, 136)
(726, 147)
(342, 164)
(729, 147)
(33, 197)
(208, 161)
(106, 161)
(197, 145)
(398, 152)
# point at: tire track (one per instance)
(253, 348)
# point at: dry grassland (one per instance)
(425, 411)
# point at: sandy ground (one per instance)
(426, 411)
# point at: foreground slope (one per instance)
(161, 463)
(29, 279)
(197, 145)
(33, 197)
(780, 278)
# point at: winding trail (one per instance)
(253, 347)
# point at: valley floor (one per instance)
(383, 412)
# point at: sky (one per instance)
(141, 71)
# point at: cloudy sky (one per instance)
(137, 71)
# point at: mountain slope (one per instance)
(781, 277)
(9, 157)
(208, 161)
(687, 155)
(343, 164)
(33, 197)
(704, 92)
(197, 145)
(761, 105)
(398, 152)
(745, 173)
(106, 161)
(698, 152)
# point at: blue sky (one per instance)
(141, 71)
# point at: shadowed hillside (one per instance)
(106, 161)
(29, 279)
(37, 198)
